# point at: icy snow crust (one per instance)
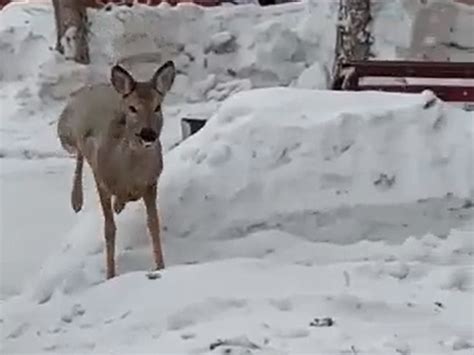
(290, 205)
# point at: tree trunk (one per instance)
(354, 37)
(71, 29)
(356, 34)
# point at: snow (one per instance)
(221, 51)
(269, 302)
(291, 44)
(291, 205)
(274, 216)
(366, 163)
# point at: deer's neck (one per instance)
(126, 170)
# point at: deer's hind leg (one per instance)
(77, 198)
(153, 222)
(109, 229)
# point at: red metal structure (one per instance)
(101, 3)
(157, 2)
(352, 75)
(449, 81)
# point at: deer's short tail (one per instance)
(67, 144)
(65, 134)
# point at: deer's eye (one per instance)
(133, 109)
(158, 108)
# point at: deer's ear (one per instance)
(164, 77)
(121, 80)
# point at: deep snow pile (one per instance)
(294, 151)
(326, 166)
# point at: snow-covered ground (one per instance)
(290, 205)
(412, 298)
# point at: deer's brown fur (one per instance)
(115, 128)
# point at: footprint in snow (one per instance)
(461, 279)
(292, 333)
(219, 154)
(76, 311)
(188, 335)
(202, 311)
(234, 346)
(284, 305)
(397, 270)
(457, 343)
(18, 331)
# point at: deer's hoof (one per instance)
(77, 209)
(76, 205)
(76, 200)
(160, 266)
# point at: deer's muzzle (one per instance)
(148, 135)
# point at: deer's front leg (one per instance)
(109, 230)
(153, 222)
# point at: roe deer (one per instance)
(116, 128)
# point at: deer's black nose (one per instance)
(148, 135)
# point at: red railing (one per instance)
(102, 3)
(449, 81)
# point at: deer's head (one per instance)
(141, 103)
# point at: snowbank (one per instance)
(327, 166)
(271, 153)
